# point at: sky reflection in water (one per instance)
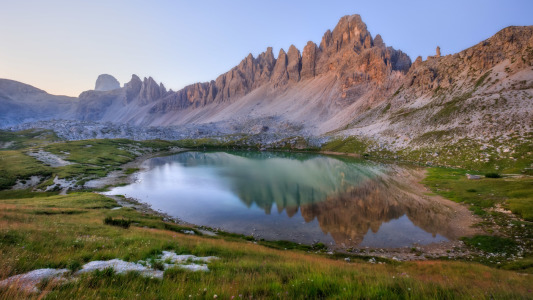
(299, 197)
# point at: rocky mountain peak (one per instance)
(279, 74)
(150, 91)
(351, 31)
(309, 57)
(378, 41)
(106, 82)
(348, 52)
(133, 87)
(294, 64)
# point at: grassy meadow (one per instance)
(48, 230)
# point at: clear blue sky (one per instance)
(62, 46)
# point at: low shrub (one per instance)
(493, 175)
(117, 222)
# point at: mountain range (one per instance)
(350, 84)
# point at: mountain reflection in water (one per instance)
(341, 200)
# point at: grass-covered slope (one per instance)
(89, 158)
(513, 155)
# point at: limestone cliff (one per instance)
(348, 52)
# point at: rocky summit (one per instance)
(350, 83)
(106, 82)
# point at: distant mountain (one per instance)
(106, 82)
(20, 103)
(349, 84)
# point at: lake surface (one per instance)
(305, 198)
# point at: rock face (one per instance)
(151, 91)
(294, 64)
(349, 52)
(280, 74)
(510, 44)
(106, 82)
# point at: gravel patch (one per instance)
(27, 183)
(49, 158)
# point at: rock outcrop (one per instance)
(106, 82)
(309, 57)
(280, 74)
(294, 64)
(151, 91)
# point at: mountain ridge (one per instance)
(349, 84)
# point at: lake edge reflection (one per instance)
(341, 201)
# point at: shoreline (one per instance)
(461, 222)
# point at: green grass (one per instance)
(350, 144)
(433, 136)
(94, 152)
(509, 236)
(516, 193)
(397, 91)
(491, 244)
(522, 205)
(16, 165)
(27, 138)
(386, 108)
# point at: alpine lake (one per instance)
(299, 197)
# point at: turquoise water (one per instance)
(299, 197)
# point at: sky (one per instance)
(61, 46)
